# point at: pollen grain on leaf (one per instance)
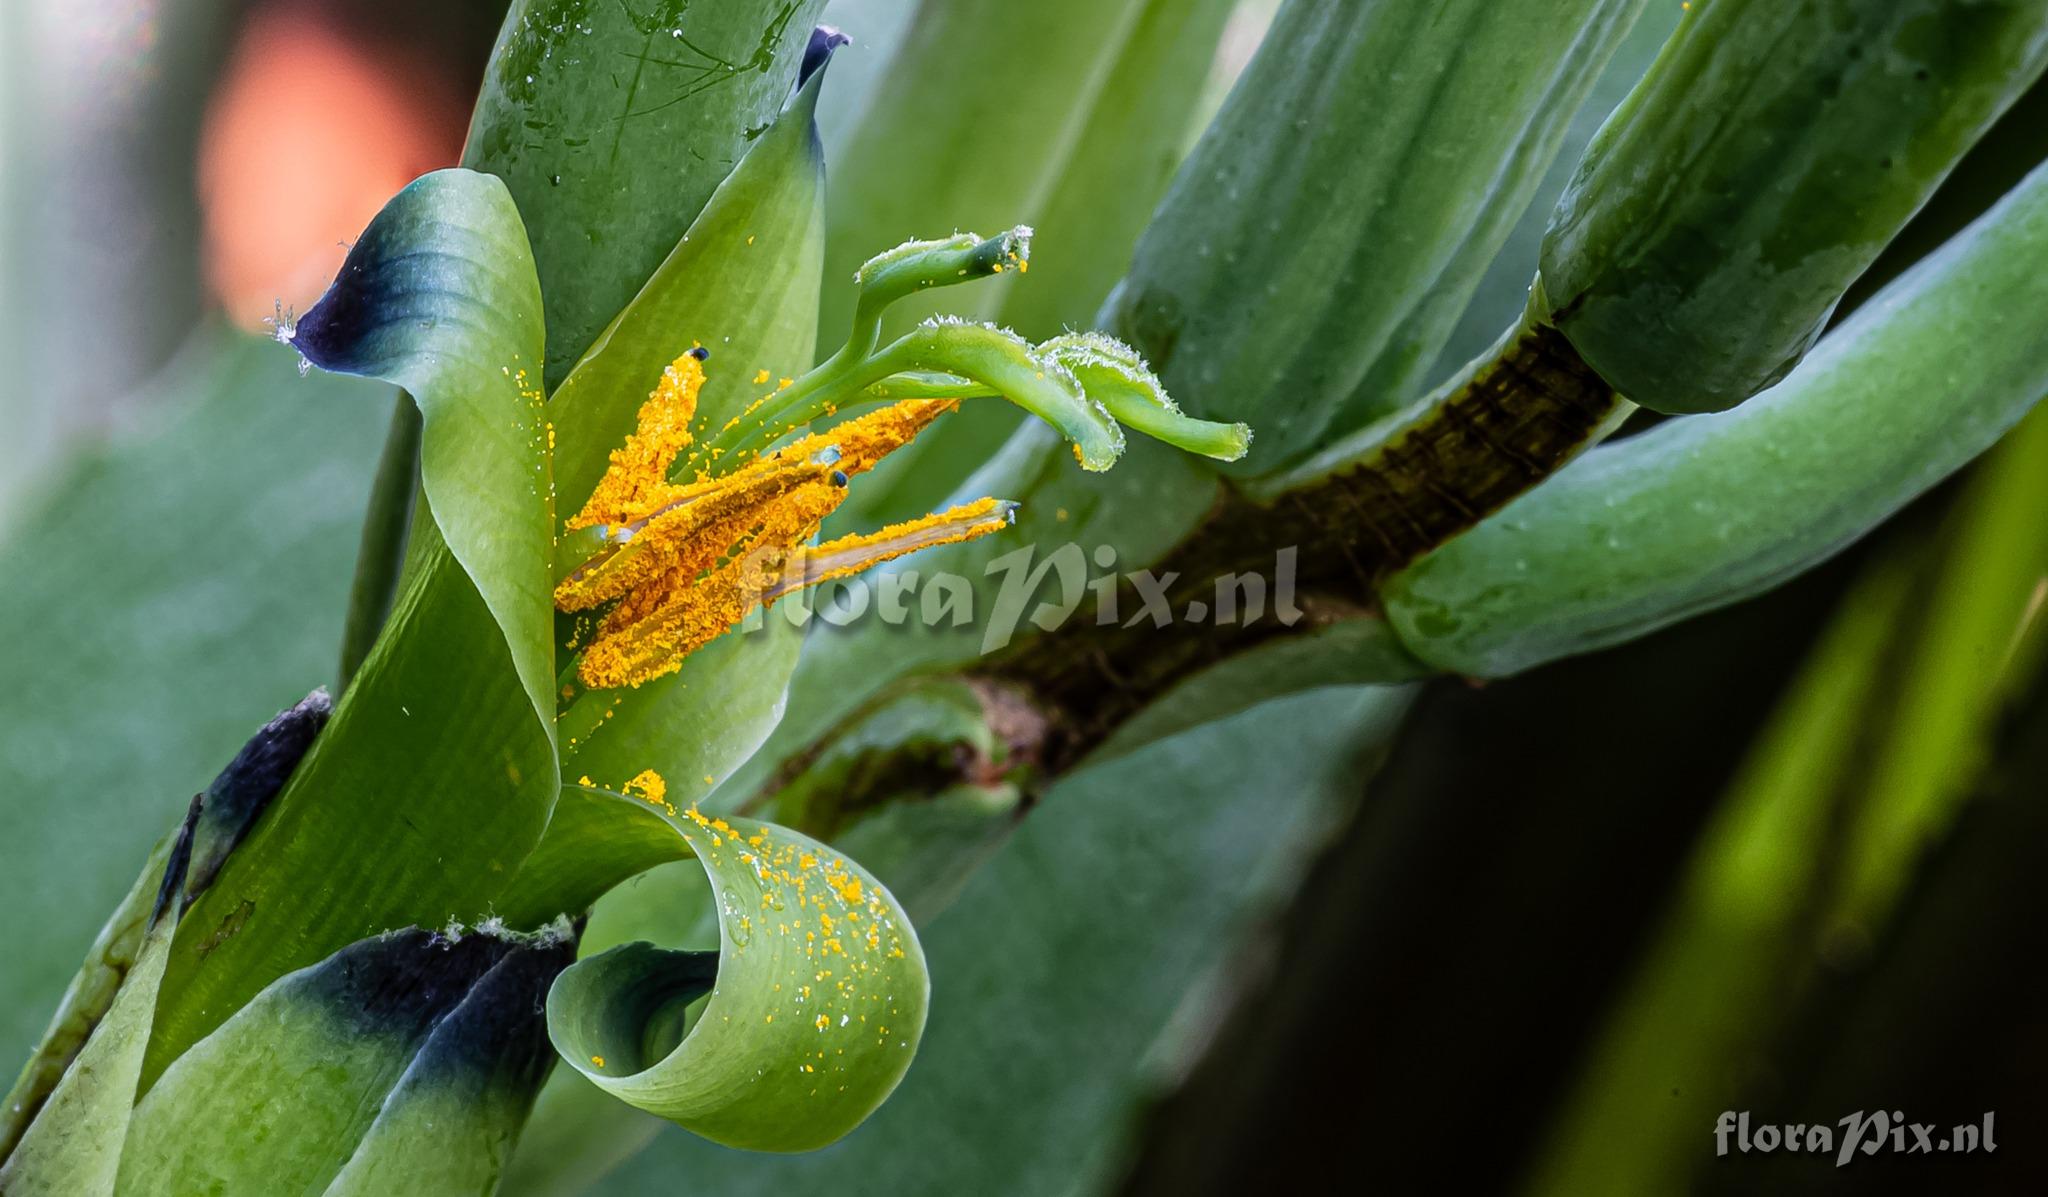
(649, 787)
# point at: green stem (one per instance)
(1346, 521)
(996, 360)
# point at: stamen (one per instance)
(715, 583)
(684, 563)
(656, 545)
(849, 555)
(865, 440)
(636, 483)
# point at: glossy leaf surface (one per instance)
(613, 122)
(1322, 239)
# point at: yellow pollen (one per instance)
(866, 440)
(648, 786)
(683, 563)
(666, 539)
(850, 555)
(637, 479)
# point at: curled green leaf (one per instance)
(789, 1035)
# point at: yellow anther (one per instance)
(849, 555)
(865, 440)
(684, 563)
(636, 482)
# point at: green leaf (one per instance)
(406, 1062)
(612, 122)
(438, 771)
(74, 1146)
(452, 1121)
(1773, 151)
(1502, 296)
(73, 1149)
(1320, 242)
(923, 847)
(439, 296)
(817, 999)
(140, 583)
(1706, 510)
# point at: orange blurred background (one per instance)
(281, 190)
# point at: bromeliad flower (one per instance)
(691, 529)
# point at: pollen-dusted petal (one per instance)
(849, 555)
(720, 580)
(665, 539)
(636, 482)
